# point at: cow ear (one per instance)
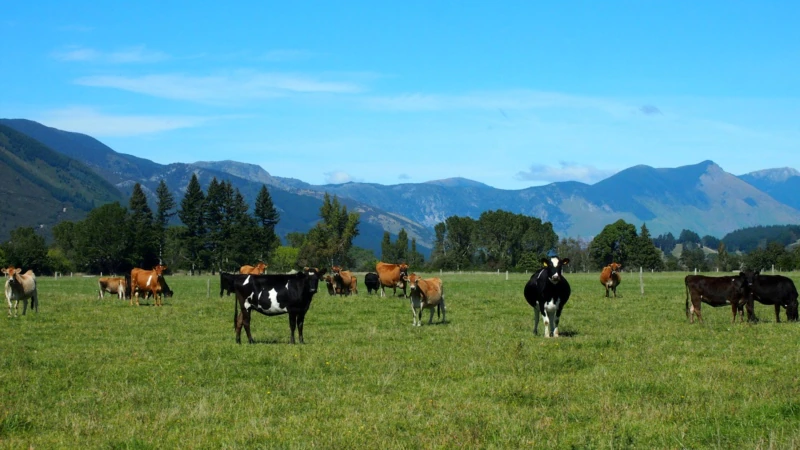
(565, 261)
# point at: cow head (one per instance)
(159, 269)
(551, 268)
(312, 275)
(615, 267)
(11, 271)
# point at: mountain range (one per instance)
(701, 197)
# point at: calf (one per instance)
(547, 292)
(426, 293)
(774, 290)
(344, 281)
(392, 275)
(372, 282)
(274, 295)
(21, 286)
(113, 285)
(329, 283)
(716, 291)
(610, 278)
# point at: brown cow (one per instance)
(610, 277)
(21, 286)
(146, 281)
(426, 293)
(113, 285)
(392, 275)
(717, 291)
(345, 282)
(258, 269)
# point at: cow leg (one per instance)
(301, 319)
(430, 319)
(246, 324)
(414, 315)
(777, 312)
(237, 325)
(444, 310)
(555, 321)
(25, 306)
(292, 324)
(536, 314)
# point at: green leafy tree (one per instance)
(103, 249)
(64, 238)
(192, 217)
(576, 249)
(329, 242)
(26, 250)
(644, 253)
(284, 259)
(613, 244)
(689, 236)
(693, 257)
(296, 239)
(267, 218)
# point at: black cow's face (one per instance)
(552, 268)
(313, 276)
(791, 312)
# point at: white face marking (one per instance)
(554, 260)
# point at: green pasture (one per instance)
(627, 372)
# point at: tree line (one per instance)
(214, 230)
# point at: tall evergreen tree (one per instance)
(216, 221)
(165, 210)
(401, 246)
(192, 217)
(644, 253)
(267, 218)
(329, 242)
(388, 251)
(143, 233)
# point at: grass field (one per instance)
(629, 373)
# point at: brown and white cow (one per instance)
(426, 293)
(146, 281)
(611, 278)
(393, 276)
(21, 286)
(113, 285)
(344, 281)
(259, 269)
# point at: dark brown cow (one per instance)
(146, 281)
(393, 276)
(113, 285)
(716, 291)
(259, 269)
(610, 278)
(21, 286)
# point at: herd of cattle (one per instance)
(547, 291)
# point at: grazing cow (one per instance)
(258, 269)
(372, 282)
(547, 292)
(776, 290)
(610, 277)
(113, 285)
(716, 292)
(226, 283)
(426, 293)
(344, 281)
(21, 286)
(273, 295)
(147, 281)
(393, 276)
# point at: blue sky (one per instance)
(512, 94)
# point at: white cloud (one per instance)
(566, 171)
(224, 88)
(131, 55)
(338, 177)
(89, 121)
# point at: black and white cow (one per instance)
(547, 292)
(773, 290)
(373, 282)
(273, 295)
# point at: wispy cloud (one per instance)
(565, 171)
(132, 55)
(226, 88)
(403, 176)
(90, 121)
(650, 110)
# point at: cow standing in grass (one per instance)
(372, 282)
(610, 278)
(547, 292)
(113, 285)
(344, 281)
(776, 290)
(393, 276)
(21, 286)
(426, 294)
(716, 292)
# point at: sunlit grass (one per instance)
(631, 372)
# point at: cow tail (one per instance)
(235, 310)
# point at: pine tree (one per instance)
(191, 215)
(388, 254)
(165, 210)
(401, 246)
(329, 242)
(267, 218)
(142, 229)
